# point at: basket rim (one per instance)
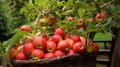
(56, 59)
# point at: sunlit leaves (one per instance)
(77, 8)
(15, 39)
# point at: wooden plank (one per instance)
(103, 60)
(105, 50)
(116, 51)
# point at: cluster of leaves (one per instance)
(6, 46)
(77, 8)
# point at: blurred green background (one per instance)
(10, 18)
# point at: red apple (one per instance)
(95, 47)
(21, 56)
(81, 23)
(78, 47)
(91, 42)
(64, 46)
(83, 39)
(13, 53)
(45, 35)
(49, 55)
(53, 20)
(67, 36)
(103, 15)
(28, 48)
(100, 17)
(25, 28)
(58, 53)
(76, 38)
(37, 54)
(20, 48)
(52, 23)
(71, 51)
(70, 18)
(51, 46)
(60, 31)
(71, 42)
(56, 38)
(39, 42)
(16, 46)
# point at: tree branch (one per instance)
(105, 4)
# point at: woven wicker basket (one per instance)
(75, 60)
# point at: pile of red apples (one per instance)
(46, 47)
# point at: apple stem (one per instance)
(105, 4)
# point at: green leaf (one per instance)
(81, 12)
(70, 3)
(109, 19)
(14, 40)
(10, 45)
(112, 8)
(38, 1)
(91, 35)
(99, 2)
(19, 35)
(92, 28)
(30, 2)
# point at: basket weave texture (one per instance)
(75, 60)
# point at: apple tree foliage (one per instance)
(62, 9)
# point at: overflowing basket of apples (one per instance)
(59, 49)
